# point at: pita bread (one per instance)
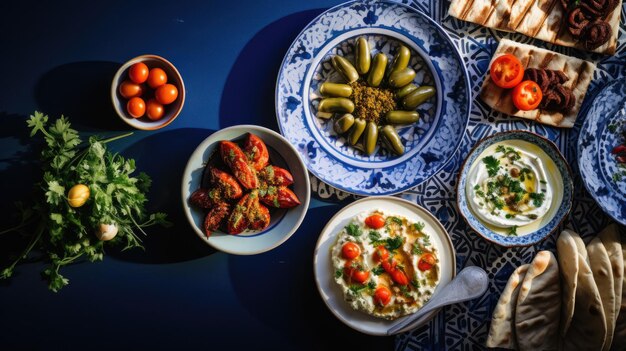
(603, 276)
(580, 73)
(567, 250)
(588, 327)
(611, 241)
(619, 337)
(541, 19)
(502, 329)
(538, 309)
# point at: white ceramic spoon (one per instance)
(469, 284)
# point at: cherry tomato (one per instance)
(399, 277)
(360, 276)
(506, 71)
(527, 95)
(382, 295)
(129, 89)
(166, 94)
(136, 107)
(355, 272)
(375, 221)
(156, 78)
(426, 262)
(154, 110)
(381, 254)
(138, 72)
(350, 250)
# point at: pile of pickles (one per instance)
(338, 98)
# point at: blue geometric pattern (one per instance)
(465, 326)
(601, 132)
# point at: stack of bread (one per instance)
(575, 301)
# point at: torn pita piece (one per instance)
(579, 73)
(591, 25)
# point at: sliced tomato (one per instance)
(527, 95)
(382, 296)
(375, 221)
(350, 250)
(506, 71)
(426, 262)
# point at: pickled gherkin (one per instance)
(405, 90)
(344, 123)
(402, 117)
(356, 131)
(417, 97)
(377, 71)
(363, 57)
(392, 140)
(338, 105)
(335, 89)
(345, 68)
(370, 138)
(402, 77)
(401, 60)
(372, 99)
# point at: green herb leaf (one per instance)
(419, 226)
(378, 270)
(492, 164)
(353, 229)
(537, 198)
(512, 231)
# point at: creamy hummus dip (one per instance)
(385, 264)
(508, 187)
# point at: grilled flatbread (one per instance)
(603, 276)
(538, 309)
(611, 241)
(619, 338)
(580, 73)
(588, 328)
(502, 329)
(541, 19)
(567, 250)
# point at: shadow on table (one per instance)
(282, 293)
(20, 170)
(164, 157)
(82, 92)
(249, 92)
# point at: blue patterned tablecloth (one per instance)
(466, 325)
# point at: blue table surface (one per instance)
(59, 58)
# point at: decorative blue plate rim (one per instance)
(392, 178)
(542, 233)
(591, 153)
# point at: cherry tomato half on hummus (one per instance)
(527, 95)
(375, 221)
(506, 71)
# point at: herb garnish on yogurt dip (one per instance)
(508, 188)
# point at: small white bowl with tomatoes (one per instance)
(148, 92)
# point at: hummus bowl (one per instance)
(515, 188)
(357, 308)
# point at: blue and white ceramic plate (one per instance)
(559, 177)
(603, 130)
(429, 143)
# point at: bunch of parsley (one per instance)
(64, 234)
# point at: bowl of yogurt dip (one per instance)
(515, 188)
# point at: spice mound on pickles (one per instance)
(374, 98)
